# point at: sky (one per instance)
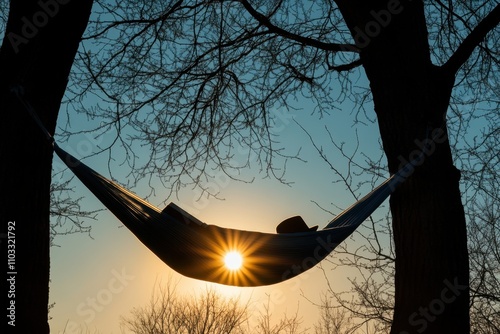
(97, 280)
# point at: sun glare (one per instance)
(233, 260)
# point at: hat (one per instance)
(293, 225)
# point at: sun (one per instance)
(233, 260)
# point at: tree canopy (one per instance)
(193, 81)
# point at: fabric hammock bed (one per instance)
(195, 249)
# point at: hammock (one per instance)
(197, 250)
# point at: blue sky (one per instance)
(95, 281)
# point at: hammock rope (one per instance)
(197, 250)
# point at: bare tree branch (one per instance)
(468, 45)
(345, 67)
(265, 21)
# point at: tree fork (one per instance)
(411, 97)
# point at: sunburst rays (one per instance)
(246, 245)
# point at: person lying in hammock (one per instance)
(181, 215)
(290, 225)
(294, 224)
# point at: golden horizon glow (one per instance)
(233, 260)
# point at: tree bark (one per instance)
(411, 97)
(37, 53)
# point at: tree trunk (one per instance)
(411, 97)
(37, 53)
